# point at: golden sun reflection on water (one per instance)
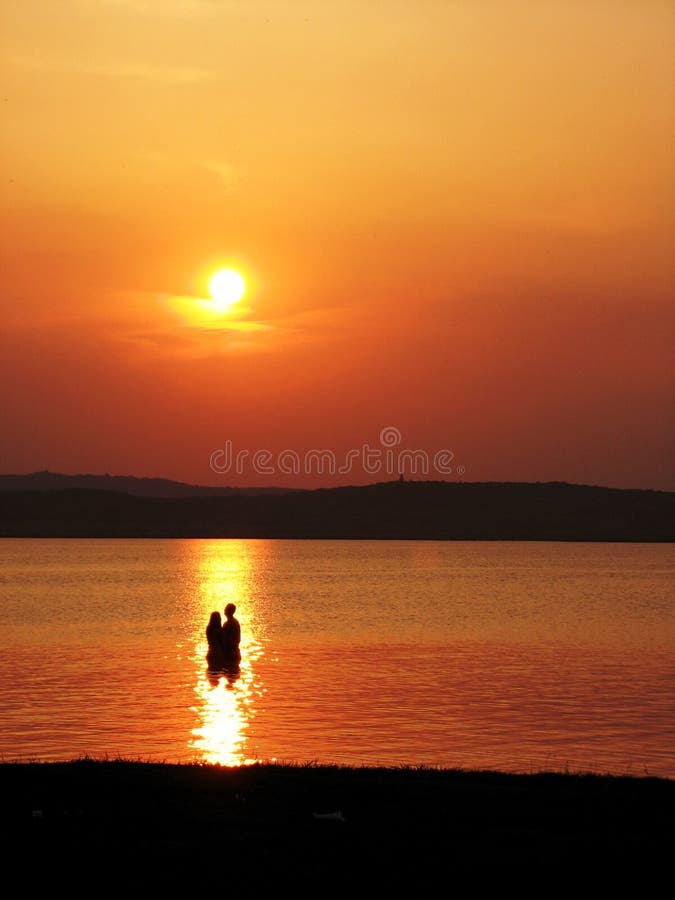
(226, 702)
(225, 708)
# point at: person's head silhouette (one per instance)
(230, 610)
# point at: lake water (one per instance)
(513, 656)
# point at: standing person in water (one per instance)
(230, 636)
(214, 636)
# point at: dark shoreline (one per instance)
(318, 828)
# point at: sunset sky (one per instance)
(453, 217)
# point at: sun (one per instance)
(227, 288)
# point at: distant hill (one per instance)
(126, 484)
(412, 510)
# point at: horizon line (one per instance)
(276, 487)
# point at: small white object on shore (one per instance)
(330, 816)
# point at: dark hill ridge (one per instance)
(126, 484)
(411, 510)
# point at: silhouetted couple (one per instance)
(224, 640)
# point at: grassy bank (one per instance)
(320, 828)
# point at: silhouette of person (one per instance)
(230, 636)
(214, 635)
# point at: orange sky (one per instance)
(455, 218)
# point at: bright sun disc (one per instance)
(227, 287)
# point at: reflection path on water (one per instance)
(225, 701)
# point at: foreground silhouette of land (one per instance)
(550, 511)
(321, 829)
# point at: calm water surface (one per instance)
(517, 656)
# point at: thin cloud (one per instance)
(166, 8)
(191, 327)
(229, 176)
(203, 315)
(144, 71)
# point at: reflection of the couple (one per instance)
(231, 675)
(227, 694)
